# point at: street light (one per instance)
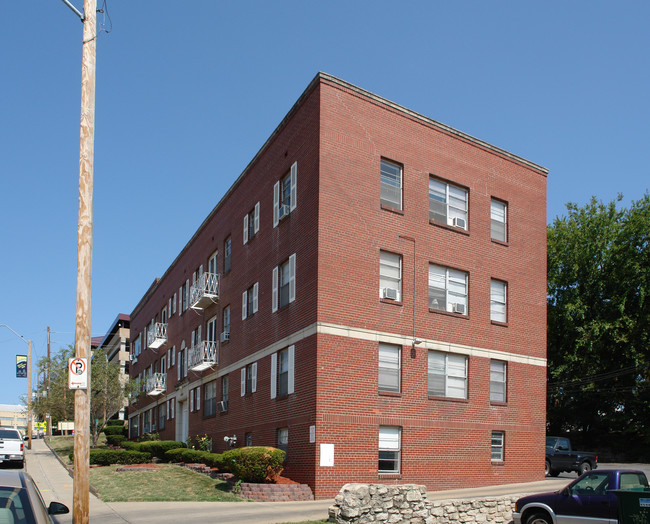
(29, 385)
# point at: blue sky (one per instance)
(187, 92)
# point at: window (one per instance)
(391, 184)
(498, 223)
(447, 203)
(249, 379)
(172, 408)
(136, 347)
(390, 276)
(498, 311)
(498, 438)
(252, 223)
(183, 293)
(389, 367)
(182, 362)
(174, 304)
(225, 336)
(284, 283)
(389, 449)
(163, 315)
(133, 427)
(282, 372)
(163, 364)
(210, 399)
(162, 415)
(497, 381)
(285, 195)
(225, 388)
(147, 422)
(211, 330)
(447, 289)
(227, 252)
(283, 439)
(249, 301)
(447, 375)
(213, 263)
(249, 439)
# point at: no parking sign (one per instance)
(78, 373)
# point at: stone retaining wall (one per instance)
(364, 503)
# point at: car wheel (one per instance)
(584, 467)
(547, 468)
(539, 518)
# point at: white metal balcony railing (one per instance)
(157, 336)
(157, 384)
(205, 291)
(203, 355)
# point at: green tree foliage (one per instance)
(109, 389)
(599, 320)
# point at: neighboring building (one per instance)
(369, 295)
(13, 416)
(117, 345)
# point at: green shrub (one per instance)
(158, 447)
(130, 445)
(254, 463)
(106, 457)
(146, 437)
(115, 422)
(189, 456)
(115, 440)
(113, 430)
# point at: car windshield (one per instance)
(14, 506)
(9, 433)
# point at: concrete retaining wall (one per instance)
(362, 503)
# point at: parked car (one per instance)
(12, 447)
(21, 501)
(588, 499)
(561, 457)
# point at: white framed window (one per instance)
(391, 184)
(285, 195)
(390, 359)
(498, 446)
(390, 276)
(390, 447)
(249, 301)
(225, 388)
(498, 220)
(447, 375)
(252, 223)
(174, 304)
(137, 346)
(283, 372)
(162, 415)
(284, 283)
(249, 379)
(447, 289)
(192, 397)
(163, 364)
(210, 399)
(283, 439)
(213, 263)
(227, 254)
(225, 335)
(448, 203)
(498, 296)
(498, 391)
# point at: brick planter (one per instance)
(276, 492)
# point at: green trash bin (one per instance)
(633, 506)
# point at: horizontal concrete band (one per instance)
(324, 328)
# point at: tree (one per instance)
(599, 319)
(109, 389)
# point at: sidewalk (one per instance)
(56, 484)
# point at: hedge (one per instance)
(114, 430)
(158, 447)
(106, 457)
(254, 463)
(115, 440)
(115, 422)
(189, 456)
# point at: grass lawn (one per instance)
(169, 483)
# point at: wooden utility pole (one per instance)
(81, 487)
(49, 367)
(29, 394)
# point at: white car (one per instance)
(21, 502)
(12, 447)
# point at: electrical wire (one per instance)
(102, 26)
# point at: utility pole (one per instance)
(49, 363)
(81, 485)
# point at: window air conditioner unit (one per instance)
(459, 222)
(225, 336)
(458, 308)
(284, 211)
(222, 406)
(390, 293)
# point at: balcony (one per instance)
(157, 336)
(205, 291)
(203, 355)
(156, 384)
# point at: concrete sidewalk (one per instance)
(55, 483)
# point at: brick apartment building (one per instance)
(369, 295)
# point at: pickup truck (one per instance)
(589, 499)
(560, 457)
(12, 446)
